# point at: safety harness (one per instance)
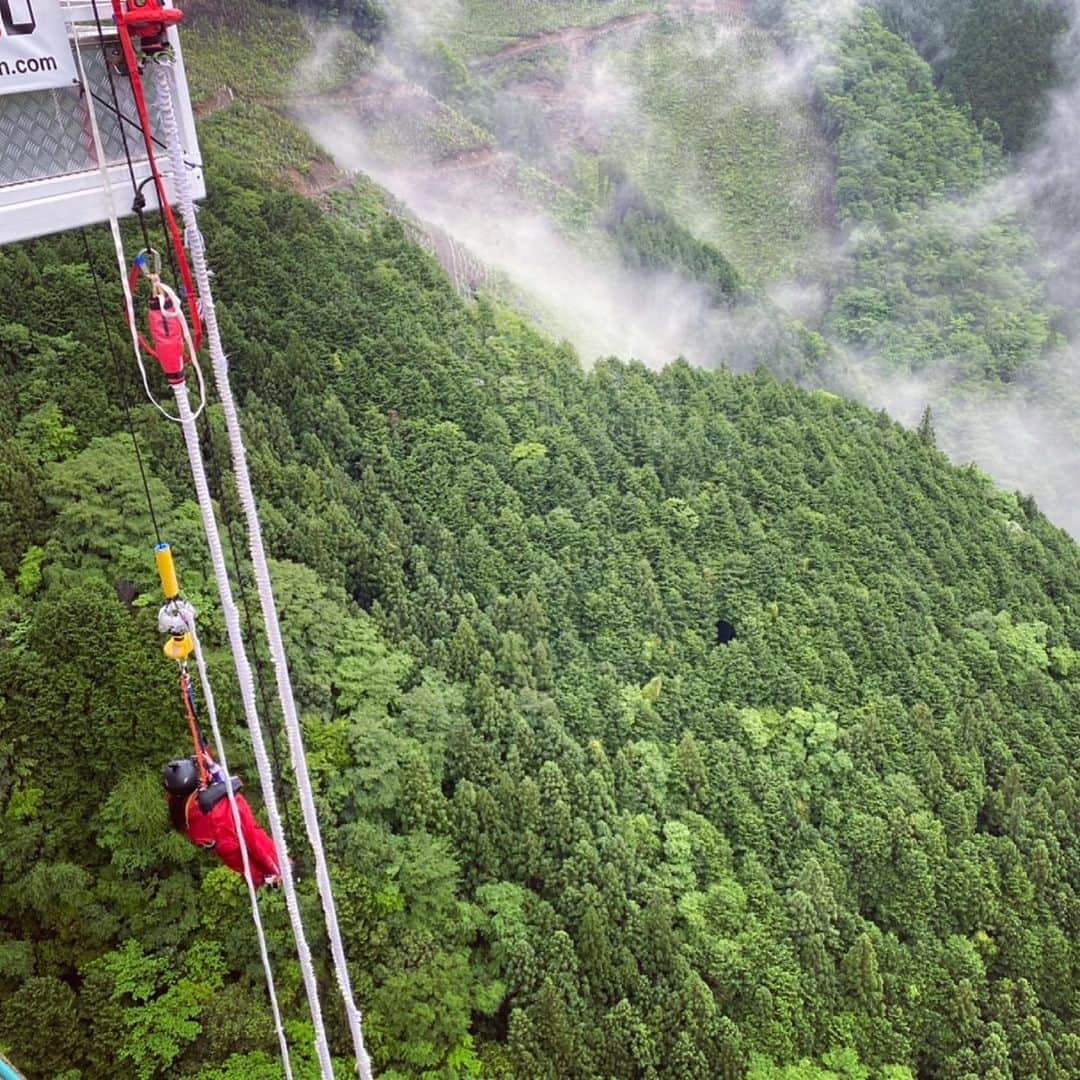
(175, 619)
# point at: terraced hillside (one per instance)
(700, 107)
(480, 28)
(531, 106)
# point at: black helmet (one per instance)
(180, 778)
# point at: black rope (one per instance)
(125, 119)
(120, 382)
(139, 203)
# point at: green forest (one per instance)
(668, 724)
(926, 285)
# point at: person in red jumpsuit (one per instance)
(204, 816)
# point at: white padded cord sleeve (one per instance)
(262, 762)
(247, 696)
(163, 73)
(223, 761)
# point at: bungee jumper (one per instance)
(202, 813)
(203, 799)
(199, 794)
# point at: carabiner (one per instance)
(155, 264)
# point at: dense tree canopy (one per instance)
(573, 833)
(666, 724)
(998, 57)
(938, 275)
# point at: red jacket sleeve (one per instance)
(261, 849)
(200, 830)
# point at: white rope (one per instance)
(176, 313)
(247, 696)
(163, 74)
(187, 613)
(232, 620)
(106, 183)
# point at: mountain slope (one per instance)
(670, 718)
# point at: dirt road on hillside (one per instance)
(385, 94)
(582, 36)
(570, 37)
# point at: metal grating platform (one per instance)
(48, 133)
(49, 176)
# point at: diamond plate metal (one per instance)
(47, 133)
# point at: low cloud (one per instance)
(1026, 434)
(1021, 433)
(1051, 179)
(600, 305)
(419, 23)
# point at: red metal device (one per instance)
(148, 20)
(168, 338)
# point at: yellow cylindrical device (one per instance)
(166, 571)
(178, 648)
